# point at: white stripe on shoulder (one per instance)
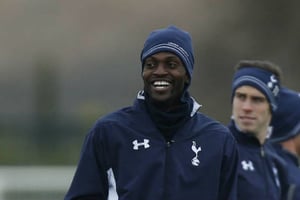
(112, 192)
(196, 107)
(141, 95)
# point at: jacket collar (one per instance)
(196, 105)
(246, 139)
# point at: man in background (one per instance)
(286, 136)
(255, 89)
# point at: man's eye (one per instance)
(240, 96)
(258, 100)
(149, 64)
(172, 64)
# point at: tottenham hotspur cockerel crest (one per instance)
(195, 149)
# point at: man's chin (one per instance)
(160, 98)
(163, 103)
(249, 131)
(160, 101)
(246, 129)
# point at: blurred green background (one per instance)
(63, 64)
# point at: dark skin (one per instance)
(164, 78)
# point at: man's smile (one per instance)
(161, 85)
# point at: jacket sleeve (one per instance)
(90, 180)
(286, 186)
(228, 182)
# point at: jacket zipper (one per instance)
(262, 154)
(168, 145)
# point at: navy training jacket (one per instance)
(125, 152)
(258, 169)
(293, 169)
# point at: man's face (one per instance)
(251, 111)
(164, 77)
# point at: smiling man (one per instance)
(161, 147)
(164, 78)
(255, 89)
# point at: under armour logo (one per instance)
(247, 165)
(195, 160)
(136, 145)
(272, 84)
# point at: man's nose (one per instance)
(247, 105)
(160, 69)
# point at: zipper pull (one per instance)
(262, 152)
(170, 142)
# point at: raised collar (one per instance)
(244, 138)
(196, 105)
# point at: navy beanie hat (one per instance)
(263, 80)
(286, 120)
(170, 39)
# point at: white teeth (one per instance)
(161, 83)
